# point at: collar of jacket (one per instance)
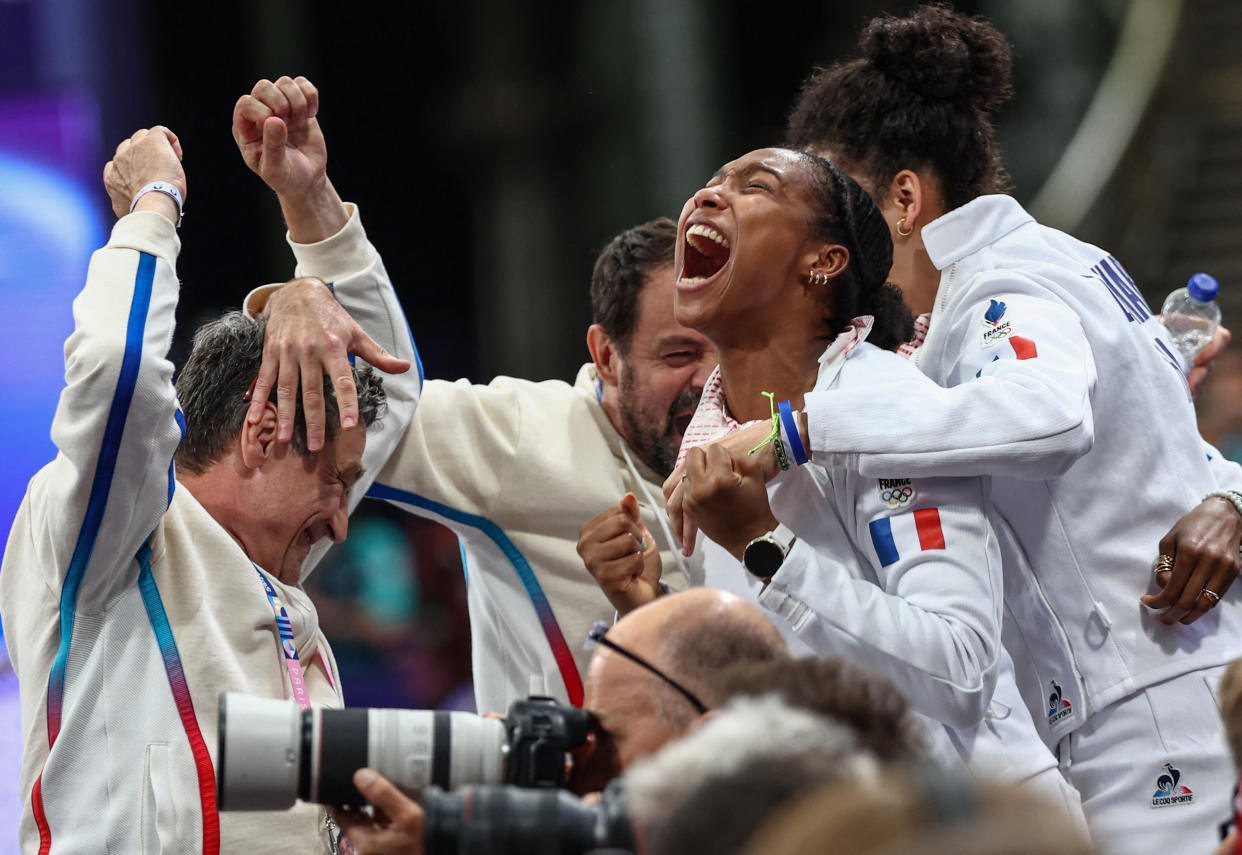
(968, 229)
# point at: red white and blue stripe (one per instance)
(101, 488)
(543, 609)
(903, 535)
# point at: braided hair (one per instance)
(843, 211)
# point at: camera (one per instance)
(491, 819)
(272, 753)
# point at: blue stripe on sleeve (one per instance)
(882, 539)
(105, 467)
(543, 609)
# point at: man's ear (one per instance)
(605, 354)
(258, 440)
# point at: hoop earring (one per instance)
(906, 233)
(817, 278)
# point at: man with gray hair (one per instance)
(655, 673)
(140, 579)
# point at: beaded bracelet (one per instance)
(1233, 497)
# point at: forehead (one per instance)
(781, 161)
(656, 312)
(345, 452)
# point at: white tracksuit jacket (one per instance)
(1061, 385)
(126, 607)
(902, 577)
(515, 468)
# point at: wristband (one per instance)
(1233, 497)
(790, 434)
(169, 190)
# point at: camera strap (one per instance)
(284, 627)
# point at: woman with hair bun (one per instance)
(1061, 386)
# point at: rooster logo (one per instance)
(995, 312)
(1166, 784)
(1169, 789)
(1056, 703)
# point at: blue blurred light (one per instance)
(49, 225)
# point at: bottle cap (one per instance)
(1202, 287)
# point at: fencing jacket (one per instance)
(901, 576)
(126, 607)
(1060, 384)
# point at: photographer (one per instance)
(652, 677)
(783, 727)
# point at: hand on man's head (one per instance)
(151, 154)
(309, 336)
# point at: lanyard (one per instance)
(285, 627)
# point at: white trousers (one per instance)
(1154, 769)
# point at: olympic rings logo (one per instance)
(898, 496)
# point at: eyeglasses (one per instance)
(597, 635)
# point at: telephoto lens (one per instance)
(487, 820)
(270, 753)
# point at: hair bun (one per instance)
(940, 53)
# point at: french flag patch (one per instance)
(905, 534)
(1015, 346)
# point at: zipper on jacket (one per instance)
(1073, 654)
(942, 297)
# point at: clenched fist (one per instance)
(151, 154)
(621, 554)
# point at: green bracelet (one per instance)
(774, 438)
(782, 459)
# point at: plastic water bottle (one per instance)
(1191, 315)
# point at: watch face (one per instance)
(763, 558)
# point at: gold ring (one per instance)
(1163, 564)
(1212, 596)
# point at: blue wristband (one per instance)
(793, 439)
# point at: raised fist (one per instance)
(279, 137)
(151, 154)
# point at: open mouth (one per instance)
(707, 252)
(680, 423)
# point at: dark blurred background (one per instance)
(494, 147)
